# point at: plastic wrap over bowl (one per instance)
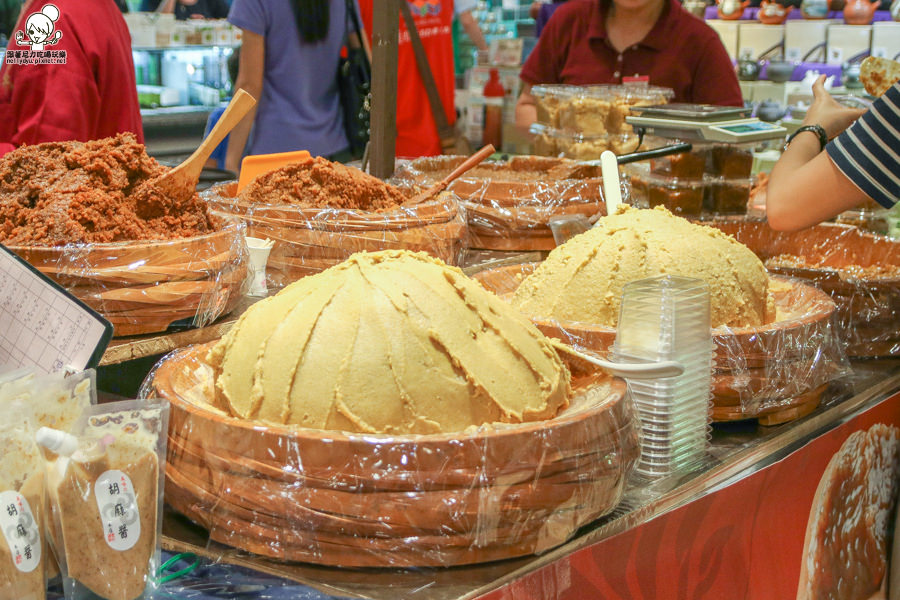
(147, 286)
(357, 500)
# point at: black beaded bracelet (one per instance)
(817, 129)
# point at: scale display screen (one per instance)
(748, 127)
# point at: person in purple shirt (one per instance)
(289, 63)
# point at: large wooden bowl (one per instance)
(309, 240)
(509, 203)
(344, 499)
(758, 370)
(859, 270)
(144, 287)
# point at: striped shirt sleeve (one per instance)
(868, 152)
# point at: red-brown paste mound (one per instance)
(72, 192)
(320, 183)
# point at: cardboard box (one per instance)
(886, 39)
(847, 41)
(728, 33)
(801, 36)
(756, 38)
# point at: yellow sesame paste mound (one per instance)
(582, 280)
(388, 342)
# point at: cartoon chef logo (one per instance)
(40, 29)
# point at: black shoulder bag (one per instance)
(354, 85)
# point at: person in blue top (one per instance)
(817, 179)
(289, 63)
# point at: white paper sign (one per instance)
(118, 510)
(22, 534)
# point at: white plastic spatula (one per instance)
(652, 370)
(609, 167)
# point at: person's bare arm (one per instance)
(250, 79)
(470, 25)
(806, 187)
(526, 108)
(166, 6)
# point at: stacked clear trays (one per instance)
(581, 122)
(667, 319)
(711, 179)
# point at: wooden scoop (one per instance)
(182, 180)
(441, 185)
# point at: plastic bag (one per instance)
(23, 548)
(105, 489)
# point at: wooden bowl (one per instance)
(859, 270)
(309, 240)
(337, 498)
(765, 368)
(144, 287)
(509, 203)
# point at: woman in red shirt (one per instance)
(91, 95)
(609, 41)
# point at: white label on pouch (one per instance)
(118, 510)
(22, 534)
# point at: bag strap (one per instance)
(445, 131)
(353, 17)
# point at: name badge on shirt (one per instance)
(636, 79)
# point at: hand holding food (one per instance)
(828, 112)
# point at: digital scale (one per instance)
(703, 122)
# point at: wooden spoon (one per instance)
(610, 169)
(181, 181)
(441, 185)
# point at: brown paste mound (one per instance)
(320, 183)
(72, 192)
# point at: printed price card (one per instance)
(44, 326)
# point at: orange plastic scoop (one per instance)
(254, 166)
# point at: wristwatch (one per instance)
(817, 129)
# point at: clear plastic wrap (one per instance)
(355, 500)
(148, 286)
(859, 270)
(549, 141)
(309, 240)
(769, 372)
(508, 204)
(105, 487)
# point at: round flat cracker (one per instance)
(879, 74)
(845, 550)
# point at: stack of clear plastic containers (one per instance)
(582, 121)
(667, 318)
(713, 178)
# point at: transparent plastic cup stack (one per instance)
(661, 319)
